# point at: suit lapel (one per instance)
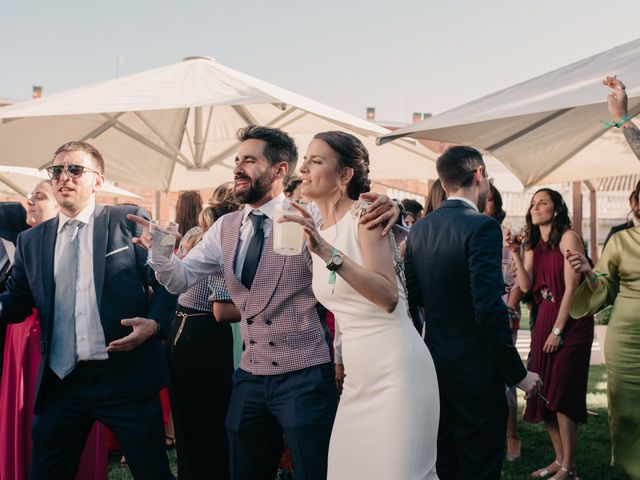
(100, 239)
(47, 254)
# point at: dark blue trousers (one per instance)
(471, 437)
(68, 410)
(302, 404)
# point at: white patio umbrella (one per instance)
(22, 180)
(174, 127)
(547, 129)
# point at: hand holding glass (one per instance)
(288, 237)
(163, 240)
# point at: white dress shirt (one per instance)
(206, 257)
(90, 341)
(465, 200)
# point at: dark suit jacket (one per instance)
(122, 281)
(453, 269)
(13, 220)
(616, 229)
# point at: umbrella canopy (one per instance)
(22, 180)
(174, 127)
(547, 129)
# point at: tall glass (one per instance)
(507, 273)
(163, 240)
(287, 236)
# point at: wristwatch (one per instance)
(336, 260)
(399, 205)
(400, 219)
(556, 331)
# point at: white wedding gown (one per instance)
(387, 420)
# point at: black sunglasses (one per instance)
(72, 171)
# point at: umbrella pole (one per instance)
(198, 138)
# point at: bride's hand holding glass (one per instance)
(315, 243)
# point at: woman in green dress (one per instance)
(616, 279)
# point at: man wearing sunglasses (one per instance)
(100, 347)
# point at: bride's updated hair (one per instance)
(352, 154)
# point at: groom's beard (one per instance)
(257, 190)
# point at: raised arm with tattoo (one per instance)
(619, 110)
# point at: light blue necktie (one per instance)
(62, 358)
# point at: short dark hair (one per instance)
(352, 154)
(456, 167)
(280, 146)
(77, 146)
(412, 206)
(292, 183)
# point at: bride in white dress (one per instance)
(387, 421)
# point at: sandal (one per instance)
(123, 461)
(544, 472)
(570, 474)
(169, 441)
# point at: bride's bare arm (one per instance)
(376, 279)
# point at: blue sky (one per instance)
(399, 56)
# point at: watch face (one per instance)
(557, 331)
(337, 259)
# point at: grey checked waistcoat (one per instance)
(281, 331)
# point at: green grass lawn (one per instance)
(593, 443)
(593, 448)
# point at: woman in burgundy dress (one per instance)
(20, 375)
(560, 345)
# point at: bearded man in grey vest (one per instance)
(285, 382)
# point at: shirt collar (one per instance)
(85, 216)
(266, 209)
(465, 200)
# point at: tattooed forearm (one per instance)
(632, 134)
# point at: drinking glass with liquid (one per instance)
(288, 237)
(163, 240)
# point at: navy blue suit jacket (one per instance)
(453, 269)
(13, 220)
(122, 282)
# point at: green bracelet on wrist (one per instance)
(617, 124)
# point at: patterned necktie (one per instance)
(62, 357)
(254, 251)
